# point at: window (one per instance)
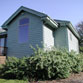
(2, 42)
(23, 30)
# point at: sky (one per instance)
(71, 10)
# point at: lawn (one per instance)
(12, 81)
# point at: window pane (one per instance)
(2, 42)
(23, 34)
(24, 21)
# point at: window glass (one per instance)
(24, 21)
(2, 42)
(23, 30)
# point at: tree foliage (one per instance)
(80, 31)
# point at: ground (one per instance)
(12, 81)
(74, 78)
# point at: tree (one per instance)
(79, 28)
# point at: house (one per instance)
(29, 27)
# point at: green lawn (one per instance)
(12, 81)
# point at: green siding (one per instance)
(60, 39)
(35, 36)
(36, 32)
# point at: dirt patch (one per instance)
(74, 78)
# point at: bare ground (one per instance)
(74, 78)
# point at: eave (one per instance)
(49, 21)
(4, 26)
(70, 26)
(42, 16)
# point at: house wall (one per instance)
(34, 36)
(60, 40)
(48, 38)
(72, 41)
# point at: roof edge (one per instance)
(50, 21)
(73, 30)
(22, 8)
(69, 25)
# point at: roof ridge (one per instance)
(32, 10)
(21, 9)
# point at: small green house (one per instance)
(29, 27)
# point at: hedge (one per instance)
(43, 65)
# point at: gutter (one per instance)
(50, 22)
(69, 25)
(73, 30)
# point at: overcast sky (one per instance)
(71, 10)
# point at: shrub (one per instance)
(9, 69)
(81, 60)
(44, 65)
(76, 62)
(81, 49)
(14, 68)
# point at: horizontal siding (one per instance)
(48, 37)
(73, 42)
(60, 35)
(34, 36)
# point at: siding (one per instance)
(48, 38)
(73, 42)
(34, 36)
(60, 39)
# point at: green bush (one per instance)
(43, 65)
(14, 68)
(76, 62)
(81, 49)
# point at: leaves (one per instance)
(56, 63)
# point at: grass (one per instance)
(12, 81)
